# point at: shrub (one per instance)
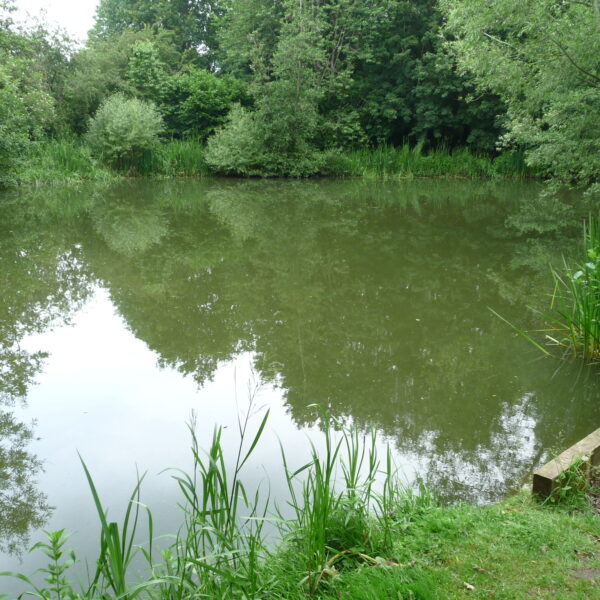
(124, 131)
(251, 144)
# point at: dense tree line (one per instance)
(275, 87)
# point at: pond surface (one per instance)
(125, 307)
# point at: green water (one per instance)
(124, 307)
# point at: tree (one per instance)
(383, 75)
(98, 71)
(124, 130)
(541, 57)
(197, 102)
(147, 74)
(190, 21)
(280, 133)
(27, 109)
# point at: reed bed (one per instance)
(175, 158)
(70, 161)
(412, 161)
(346, 509)
(61, 161)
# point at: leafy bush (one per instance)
(250, 145)
(26, 110)
(197, 102)
(124, 131)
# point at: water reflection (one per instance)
(42, 284)
(369, 298)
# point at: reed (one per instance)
(576, 299)
(61, 161)
(174, 158)
(574, 316)
(412, 161)
(346, 510)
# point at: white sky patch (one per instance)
(76, 16)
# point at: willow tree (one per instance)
(541, 57)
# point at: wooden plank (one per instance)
(544, 479)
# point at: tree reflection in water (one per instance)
(42, 283)
(369, 298)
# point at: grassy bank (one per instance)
(390, 162)
(69, 160)
(354, 533)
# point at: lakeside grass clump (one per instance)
(352, 531)
(574, 317)
(576, 299)
(69, 160)
(406, 161)
(61, 161)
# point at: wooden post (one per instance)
(544, 479)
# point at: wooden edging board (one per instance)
(544, 479)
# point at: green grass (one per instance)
(70, 161)
(61, 161)
(406, 162)
(576, 299)
(354, 533)
(516, 550)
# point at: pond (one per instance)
(128, 306)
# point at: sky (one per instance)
(76, 16)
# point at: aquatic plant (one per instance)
(574, 317)
(338, 518)
(576, 299)
(412, 161)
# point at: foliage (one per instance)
(382, 75)
(123, 131)
(576, 299)
(279, 137)
(27, 108)
(197, 102)
(147, 74)
(98, 71)
(573, 487)
(436, 552)
(541, 58)
(189, 21)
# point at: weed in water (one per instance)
(576, 300)
(574, 316)
(355, 532)
(57, 585)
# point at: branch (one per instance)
(572, 61)
(499, 41)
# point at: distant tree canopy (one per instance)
(283, 82)
(189, 21)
